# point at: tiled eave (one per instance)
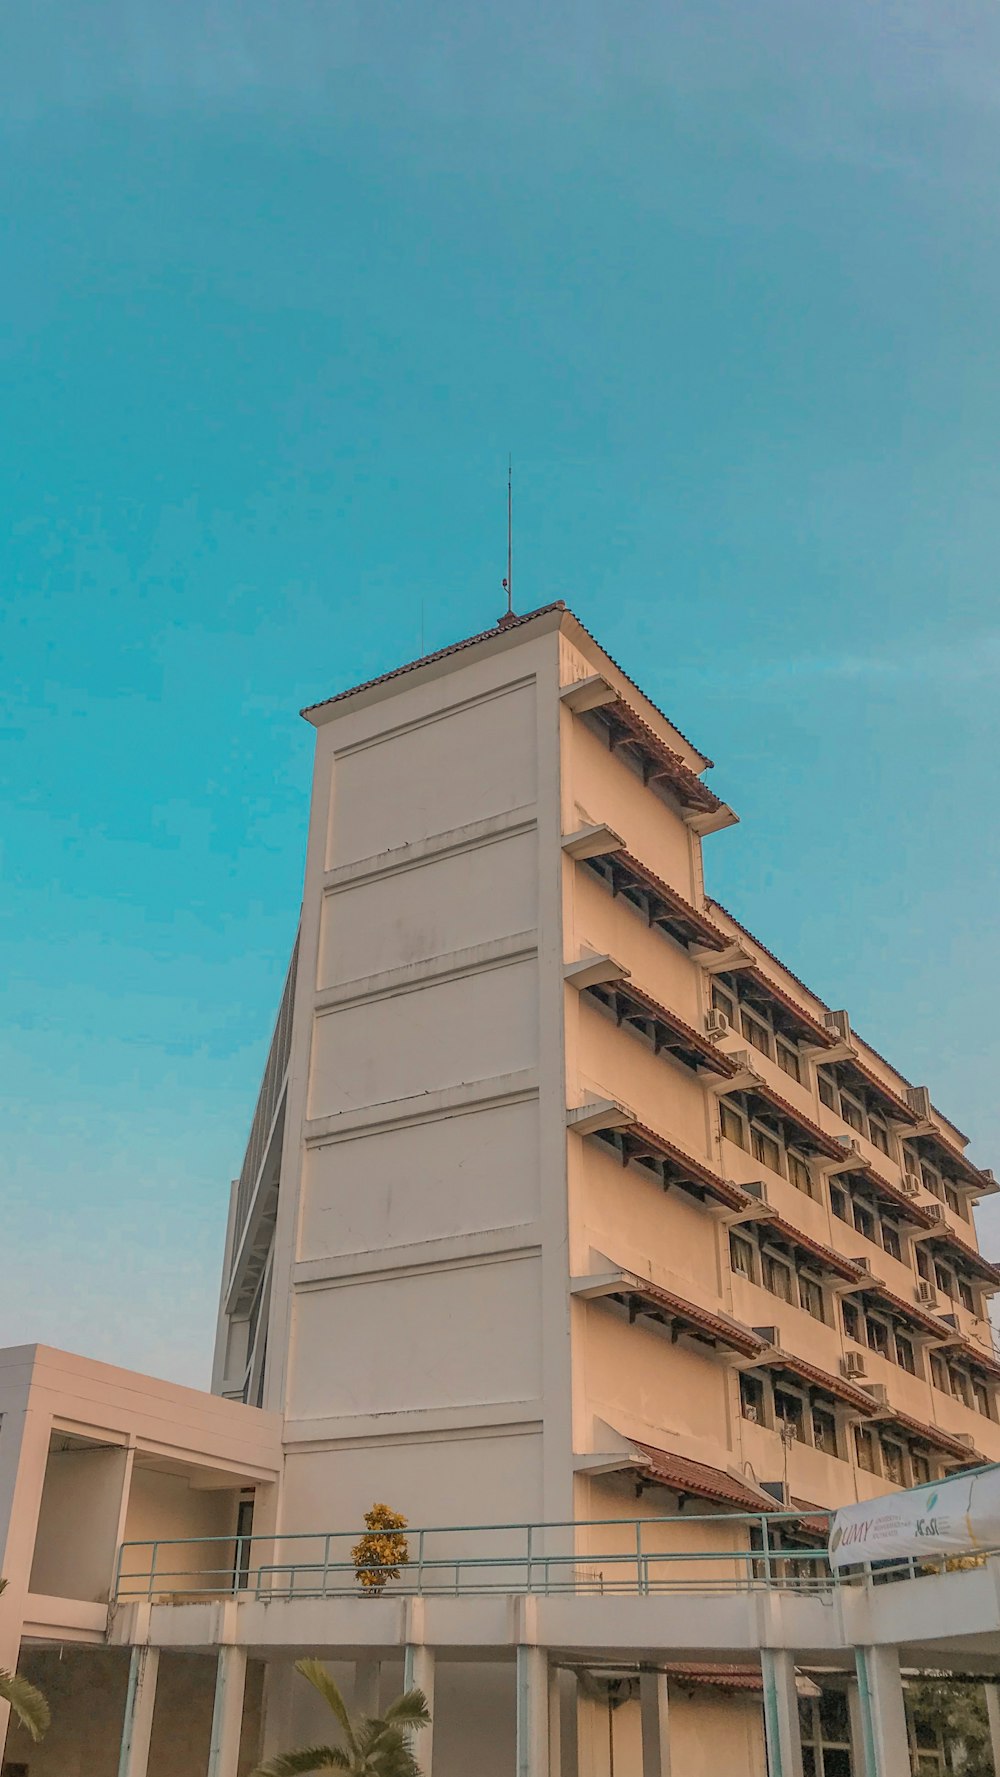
(654, 899)
(825, 1257)
(932, 1435)
(789, 1364)
(919, 1318)
(890, 1193)
(665, 1029)
(698, 1480)
(633, 1142)
(983, 1268)
(809, 1134)
(639, 1296)
(657, 761)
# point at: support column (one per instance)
(655, 1714)
(418, 1674)
(138, 1722)
(781, 1713)
(366, 1677)
(883, 1715)
(227, 1714)
(532, 1712)
(993, 1716)
(857, 1728)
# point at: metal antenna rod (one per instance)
(509, 582)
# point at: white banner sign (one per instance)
(956, 1517)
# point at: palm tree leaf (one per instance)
(308, 1758)
(410, 1710)
(28, 1704)
(318, 1676)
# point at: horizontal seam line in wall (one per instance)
(452, 843)
(532, 1421)
(479, 959)
(432, 716)
(447, 1103)
(416, 1268)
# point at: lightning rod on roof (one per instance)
(508, 584)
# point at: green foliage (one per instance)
(27, 1704)
(382, 1551)
(372, 1747)
(954, 1711)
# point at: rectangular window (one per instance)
(723, 1002)
(788, 1060)
(798, 1173)
(752, 1398)
(966, 1296)
(840, 1203)
(931, 1180)
(892, 1461)
(939, 1375)
(906, 1357)
(951, 1198)
(733, 1126)
(741, 1255)
(757, 1032)
(864, 1221)
(877, 1334)
(827, 1090)
(811, 1297)
(765, 1148)
(852, 1319)
(879, 1134)
(960, 1386)
(981, 1396)
(864, 1443)
(920, 1468)
(924, 1268)
(890, 1241)
(777, 1277)
(944, 1281)
(824, 1431)
(852, 1113)
(788, 1411)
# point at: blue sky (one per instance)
(281, 287)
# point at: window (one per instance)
(826, 1741)
(765, 1148)
(824, 1431)
(965, 1295)
(741, 1255)
(827, 1090)
(733, 1126)
(981, 1396)
(890, 1241)
(756, 1031)
(864, 1443)
(723, 1002)
(951, 1197)
(840, 1203)
(960, 1386)
(752, 1398)
(920, 1468)
(864, 1221)
(811, 1296)
(878, 1335)
(924, 1268)
(788, 1410)
(892, 1461)
(788, 1060)
(798, 1173)
(906, 1356)
(852, 1112)
(879, 1134)
(939, 1375)
(944, 1280)
(931, 1179)
(777, 1277)
(852, 1320)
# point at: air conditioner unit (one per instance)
(926, 1293)
(910, 1184)
(935, 1211)
(852, 1365)
(838, 1024)
(919, 1100)
(716, 1025)
(751, 1414)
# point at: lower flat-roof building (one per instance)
(565, 1202)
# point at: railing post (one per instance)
(641, 1577)
(766, 1546)
(326, 1562)
(527, 1580)
(420, 1561)
(152, 1570)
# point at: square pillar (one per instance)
(883, 1714)
(227, 1713)
(138, 1720)
(993, 1716)
(366, 1677)
(655, 1716)
(418, 1674)
(781, 1713)
(532, 1712)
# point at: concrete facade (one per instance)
(564, 1201)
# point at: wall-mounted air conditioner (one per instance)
(926, 1293)
(716, 1025)
(852, 1365)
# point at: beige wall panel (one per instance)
(164, 1506)
(607, 924)
(635, 1377)
(462, 766)
(602, 787)
(451, 903)
(471, 1028)
(712, 1733)
(459, 1337)
(623, 1212)
(429, 1181)
(78, 1524)
(619, 1064)
(455, 1480)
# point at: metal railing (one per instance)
(740, 1552)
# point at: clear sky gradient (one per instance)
(281, 286)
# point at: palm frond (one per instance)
(318, 1676)
(410, 1710)
(308, 1758)
(27, 1703)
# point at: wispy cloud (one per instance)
(946, 667)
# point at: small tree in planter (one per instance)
(382, 1551)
